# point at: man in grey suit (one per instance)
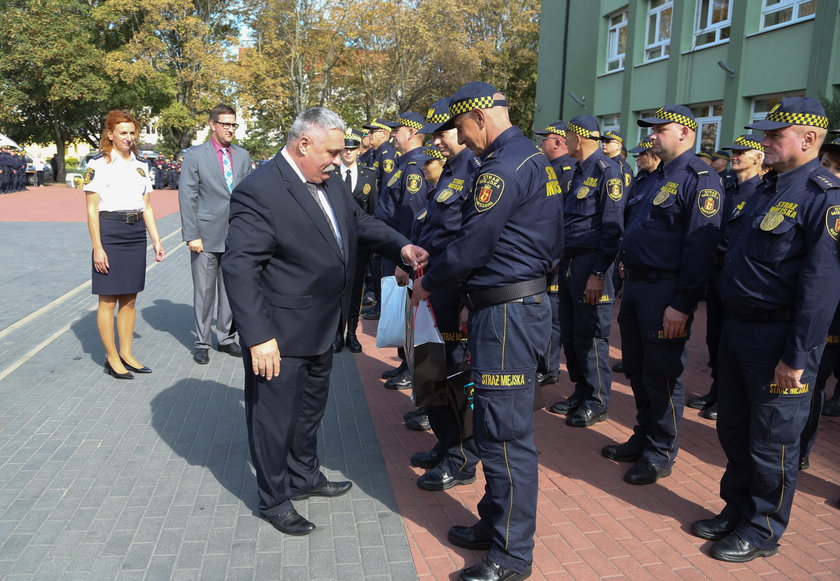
(208, 175)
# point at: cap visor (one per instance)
(447, 126)
(651, 121)
(765, 125)
(430, 128)
(638, 149)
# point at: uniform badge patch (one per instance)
(141, 172)
(771, 220)
(832, 222)
(394, 179)
(412, 183)
(661, 197)
(627, 179)
(89, 173)
(614, 189)
(388, 165)
(708, 201)
(488, 190)
(582, 192)
(444, 195)
(366, 189)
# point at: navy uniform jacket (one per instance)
(564, 167)
(593, 209)
(513, 229)
(384, 164)
(405, 194)
(674, 226)
(365, 191)
(366, 159)
(625, 169)
(782, 253)
(735, 195)
(441, 220)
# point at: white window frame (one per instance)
(643, 131)
(615, 59)
(610, 123)
(710, 118)
(663, 45)
(717, 27)
(782, 5)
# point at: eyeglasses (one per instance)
(227, 125)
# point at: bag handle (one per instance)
(419, 270)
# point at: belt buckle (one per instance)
(132, 217)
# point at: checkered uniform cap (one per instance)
(746, 142)
(378, 123)
(670, 114)
(556, 128)
(644, 145)
(408, 119)
(584, 125)
(436, 116)
(793, 111)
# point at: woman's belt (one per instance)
(504, 294)
(127, 217)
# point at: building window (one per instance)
(762, 105)
(776, 13)
(643, 131)
(616, 41)
(708, 119)
(610, 123)
(658, 42)
(714, 19)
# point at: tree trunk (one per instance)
(60, 148)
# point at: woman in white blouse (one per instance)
(117, 188)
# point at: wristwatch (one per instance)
(597, 274)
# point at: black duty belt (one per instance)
(776, 316)
(634, 275)
(573, 252)
(504, 294)
(127, 217)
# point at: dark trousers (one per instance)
(714, 327)
(759, 429)
(159, 175)
(550, 361)
(654, 366)
(505, 344)
(283, 415)
(829, 364)
(362, 259)
(586, 331)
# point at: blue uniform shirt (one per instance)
(405, 194)
(674, 226)
(782, 252)
(385, 163)
(512, 230)
(593, 209)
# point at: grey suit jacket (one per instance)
(203, 194)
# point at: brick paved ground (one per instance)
(149, 479)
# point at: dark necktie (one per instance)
(348, 180)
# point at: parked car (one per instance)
(76, 180)
(30, 172)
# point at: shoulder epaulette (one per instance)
(141, 157)
(700, 167)
(824, 179)
(604, 165)
(412, 163)
(98, 155)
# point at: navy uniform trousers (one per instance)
(506, 342)
(585, 332)
(759, 429)
(829, 364)
(654, 366)
(550, 361)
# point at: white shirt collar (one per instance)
(292, 163)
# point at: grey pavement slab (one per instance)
(150, 478)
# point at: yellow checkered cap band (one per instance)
(645, 144)
(676, 118)
(613, 136)
(432, 117)
(379, 125)
(577, 129)
(555, 131)
(749, 143)
(408, 123)
(798, 119)
(470, 104)
(433, 153)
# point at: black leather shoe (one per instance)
(438, 479)
(644, 472)
(710, 413)
(372, 314)
(110, 371)
(290, 523)
(618, 367)
(487, 570)
(418, 424)
(337, 344)
(232, 349)
(466, 538)
(369, 299)
(201, 356)
(353, 343)
(832, 407)
(389, 373)
(568, 406)
(621, 452)
(414, 413)
(804, 463)
(401, 381)
(734, 549)
(143, 369)
(329, 490)
(701, 402)
(427, 460)
(585, 417)
(547, 378)
(713, 529)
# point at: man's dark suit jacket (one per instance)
(285, 275)
(365, 192)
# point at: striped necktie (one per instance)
(228, 168)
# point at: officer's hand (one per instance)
(787, 377)
(673, 323)
(414, 255)
(402, 276)
(463, 316)
(196, 245)
(100, 261)
(160, 253)
(621, 270)
(419, 293)
(265, 359)
(594, 290)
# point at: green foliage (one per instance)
(832, 111)
(71, 162)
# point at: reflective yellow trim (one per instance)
(527, 158)
(781, 497)
(510, 506)
(673, 415)
(597, 366)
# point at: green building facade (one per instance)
(729, 60)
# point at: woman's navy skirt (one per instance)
(125, 245)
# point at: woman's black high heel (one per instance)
(135, 369)
(110, 371)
